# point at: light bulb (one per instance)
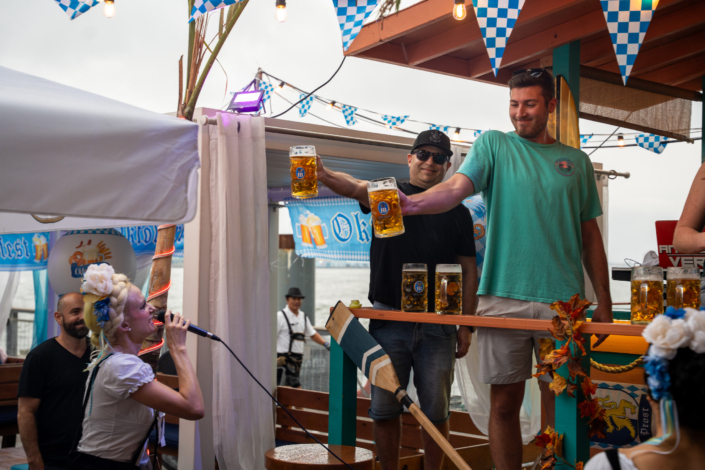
(459, 11)
(281, 13)
(456, 135)
(109, 8)
(330, 106)
(620, 140)
(279, 87)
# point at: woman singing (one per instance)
(121, 393)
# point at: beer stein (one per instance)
(683, 287)
(386, 210)
(414, 284)
(449, 289)
(647, 294)
(302, 159)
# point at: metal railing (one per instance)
(17, 337)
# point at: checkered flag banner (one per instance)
(477, 133)
(305, 105)
(627, 22)
(496, 19)
(268, 89)
(201, 7)
(394, 120)
(351, 15)
(75, 8)
(434, 127)
(349, 113)
(652, 142)
(584, 139)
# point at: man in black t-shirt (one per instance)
(51, 388)
(429, 349)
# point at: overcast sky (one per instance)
(133, 58)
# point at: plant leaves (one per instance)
(571, 390)
(546, 346)
(576, 370)
(589, 388)
(559, 330)
(558, 384)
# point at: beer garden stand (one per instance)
(423, 37)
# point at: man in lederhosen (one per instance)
(292, 330)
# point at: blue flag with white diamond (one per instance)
(268, 88)
(392, 121)
(627, 22)
(584, 138)
(434, 127)
(349, 113)
(201, 7)
(75, 8)
(330, 228)
(654, 143)
(305, 105)
(351, 15)
(496, 19)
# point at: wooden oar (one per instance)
(371, 359)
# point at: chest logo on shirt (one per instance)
(565, 167)
(383, 208)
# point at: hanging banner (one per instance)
(144, 239)
(478, 211)
(330, 228)
(629, 416)
(351, 15)
(24, 252)
(496, 20)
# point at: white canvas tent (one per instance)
(96, 161)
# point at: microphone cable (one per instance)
(277, 401)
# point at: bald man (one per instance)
(51, 389)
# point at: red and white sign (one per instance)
(667, 255)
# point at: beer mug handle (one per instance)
(679, 297)
(643, 296)
(324, 227)
(298, 231)
(444, 291)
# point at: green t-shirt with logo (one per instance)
(537, 196)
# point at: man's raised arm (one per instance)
(342, 183)
(441, 198)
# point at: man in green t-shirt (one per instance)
(542, 205)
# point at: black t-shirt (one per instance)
(55, 376)
(430, 239)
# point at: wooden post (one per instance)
(159, 283)
(342, 398)
(566, 62)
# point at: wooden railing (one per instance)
(342, 427)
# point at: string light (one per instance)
(620, 140)
(281, 14)
(459, 10)
(456, 135)
(330, 106)
(279, 87)
(109, 8)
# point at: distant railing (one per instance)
(17, 337)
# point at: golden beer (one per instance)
(683, 288)
(384, 204)
(414, 288)
(647, 294)
(302, 161)
(449, 289)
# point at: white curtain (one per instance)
(243, 420)
(9, 281)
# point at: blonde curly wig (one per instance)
(117, 288)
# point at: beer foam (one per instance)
(649, 277)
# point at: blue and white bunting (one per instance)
(351, 15)
(392, 121)
(268, 89)
(584, 138)
(652, 142)
(349, 113)
(478, 133)
(201, 7)
(305, 105)
(75, 8)
(434, 127)
(627, 22)
(496, 19)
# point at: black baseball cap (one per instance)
(434, 138)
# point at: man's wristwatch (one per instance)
(326, 345)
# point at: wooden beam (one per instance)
(695, 85)
(638, 84)
(681, 72)
(669, 53)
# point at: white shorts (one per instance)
(505, 355)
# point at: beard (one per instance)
(77, 329)
(537, 127)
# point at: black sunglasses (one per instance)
(423, 155)
(535, 72)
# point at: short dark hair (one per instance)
(526, 80)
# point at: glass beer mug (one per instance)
(302, 159)
(647, 294)
(414, 284)
(386, 210)
(449, 289)
(683, 287)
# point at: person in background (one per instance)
(51, 389)
(292, 329)
(689, 236)
(674, 370)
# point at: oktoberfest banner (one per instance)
(144, 239)
(24, 251)
(330, 228)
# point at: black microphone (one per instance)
(159, 315)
